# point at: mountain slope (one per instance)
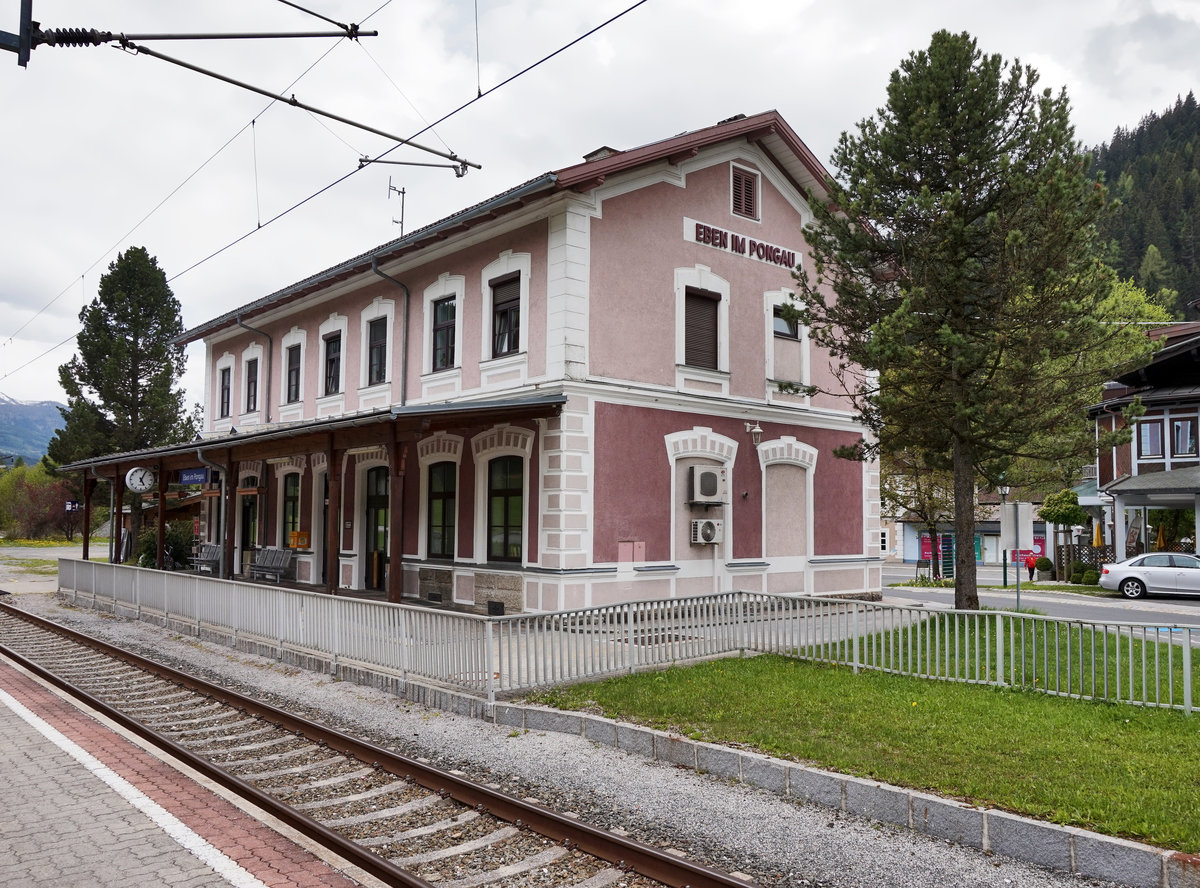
(26, 427)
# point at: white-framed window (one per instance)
(1150, 438)
(252, 378)
(1183, 436)
(224, 391)
(439, 457)
(787, 344)
(744, 192)
(332, 334)
(443, 323)
(376, 325)
(701, 320)
(885, 541)
(223, 387)
(505, 288)
(502, 494)
(291, 380)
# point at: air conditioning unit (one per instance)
(707, 532)
(706, 485)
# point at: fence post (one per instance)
(491, 675)
(854, 638)
(1187, 673)
(1000, 677)
(741, 623)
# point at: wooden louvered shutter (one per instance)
(745, 193)
(700, 329)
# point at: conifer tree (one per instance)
(955, 274)
(122, 387)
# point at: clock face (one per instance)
(139, 479)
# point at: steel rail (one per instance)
(624, 853)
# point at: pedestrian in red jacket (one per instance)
(1030, 563)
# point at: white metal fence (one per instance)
(1138, 663)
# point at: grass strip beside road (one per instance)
(1117, 769)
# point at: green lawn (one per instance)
(1117, 769)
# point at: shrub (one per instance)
(1043, 563)
(1091, 578)
(178, 545)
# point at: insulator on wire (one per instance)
(75, 37)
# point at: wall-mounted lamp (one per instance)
(755, 431)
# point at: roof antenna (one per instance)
(401, 192)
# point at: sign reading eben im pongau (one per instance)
(718, 238)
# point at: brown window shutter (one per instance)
(745, 193)
(700, 329)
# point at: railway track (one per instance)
(405, 822)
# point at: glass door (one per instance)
(378, 488)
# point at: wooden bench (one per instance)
(271, 562)
(209, 558)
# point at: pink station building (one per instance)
(565, 396)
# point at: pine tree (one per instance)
(956, 262)
(122, 386)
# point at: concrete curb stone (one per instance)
(1061, 848)
(1046, 844)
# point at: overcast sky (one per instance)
(101, 149)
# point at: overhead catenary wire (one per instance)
(170, 194)
(261, 225)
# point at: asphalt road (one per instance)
(1166, 610)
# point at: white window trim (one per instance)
(439, 448)
(380, 308)
(447, 285)
(334, 403)
(758, 191)
(295, 336)
(772, 299)
(502, 440)
(700, 442)
(253, 352)
(701, 277)
(281, 473)
(508, 263)
(225, 362)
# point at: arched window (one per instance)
(442, 483)
(505, 508)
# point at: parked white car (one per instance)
(1156, 573)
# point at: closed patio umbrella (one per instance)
(1098, 537)
(1162, 539)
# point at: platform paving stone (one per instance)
(85, 806)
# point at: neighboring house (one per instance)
(1160, 467)
(564, 396)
